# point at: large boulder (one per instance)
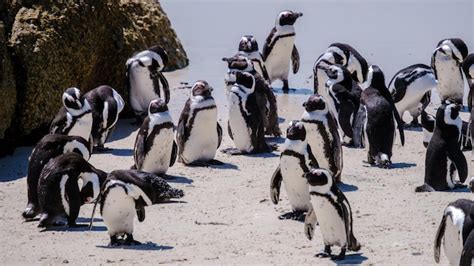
(60, 44)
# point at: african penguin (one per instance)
(428, 124)
(322, 135)
(280, 48)
(248, 47)
(58, 189)
(126, 192)
(345, 55)
(155, 150)
(245, 124)
(344, 96)
(411, 90)
(468, 68)
(145, 80)
(75, 117)
(333, 213)
(106, 104)
(199, 135)
(49, 147)
(455, 233)
(446, 62)
(264, 95)
(379, 124)
(295, 160)
(443, 147)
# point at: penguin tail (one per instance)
(174, 193)
(439, 237)
(354, 245)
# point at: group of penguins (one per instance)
(351, 106)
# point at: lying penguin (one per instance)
(126, 192)
(49, 147)
(58, 190)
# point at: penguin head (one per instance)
(296, 131)
(315, 103)
(245, 79)
(319, 180)
(163, 56)
(375, 77)
(239, 63)
(287, 17)
(74, 102)
(458, 48)
(248, 44)
(201, 89)
(451, 111)
(338, 74)
(156, 106)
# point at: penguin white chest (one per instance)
(118, 211)
(141, 88)
(316, 142)
(450, 80)
(331, 224)
(295, 184)
(82, 127)
(453, 243)
(240, 130)
(203, 138)
(158, 158)
(278, 61)
(414, 93)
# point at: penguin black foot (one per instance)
(294, 215)
(215, 162)
(129, 241)
(30, 211)
(285, 88)
(100, 149)
(232, 151)
(458, 185)
(75, 225)
(370, 159)
(326, 253)
(114, 241)
(341, 255)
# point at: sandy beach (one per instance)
(226, 215)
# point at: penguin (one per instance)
(106, 104)
(58, 189)
(49, 147)
(333, 213)
(75, 117)
(428, 124)
(344, 97)
(265, 97)
(245, 123)
(295, 160)
(199, 135)
(280, 48)
(126, 192)
(155, 149)
(380, 110)
(345, 55)
(455, 233)
(468, 69)
(322, 135)
(444, 147)
(248, 47)
(145, 81)
(411, 90)
(446, 62)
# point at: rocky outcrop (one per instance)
(7, 85)
(60, 44)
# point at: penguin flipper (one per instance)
(166, 89)
(427, 121)
(399, 91)
(229, 130)
(219, 135)
(309, 223)
(264, 69)
(439, 236)
(267, 48)
(275, 185)
(141, 214)
(358, 127)
(295, 59)
(174, 153)
(352, 242)
(458, 158)
(313, 162)
(140, 143)
(468, 250)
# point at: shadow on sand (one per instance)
(118, 152)
(347, 187)
(144, 246)
(402, 165)
(123, 129)
(356, 258)
(178, 179)
(15, 166)
(300, 91)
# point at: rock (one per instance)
(60, 44)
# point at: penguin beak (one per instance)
(297, 15)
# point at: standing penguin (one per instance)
(106, 105)
(145, 80)
(75, 117)
(446, 62)
(199, 135)
(248, 47)
(58, 190)
(456, 233)
(49, 147)
(264, 95)
(345, 55)
(379, 127)
(295, 160)
(126, 192)
(280, 48)
(322, 135)
(333, 213)
(155, 149)
(444, 147)
(411, 90)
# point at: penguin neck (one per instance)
(199, 102)
(449, 75)
(299, 146)
(285, 29)
(353, 65)
(322, 79)
(74, 112)
(316, 116)
(323, 189)
(159, 118)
